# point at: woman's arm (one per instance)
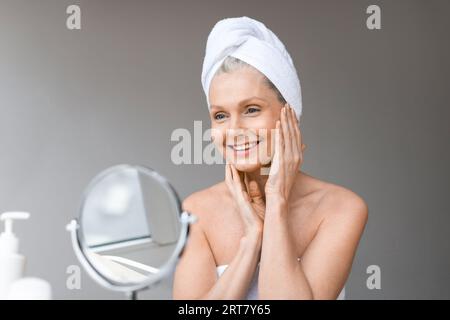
(196, 277)
(326, 262)
(235, 281)
(280, 276)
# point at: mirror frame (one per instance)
(80, 247)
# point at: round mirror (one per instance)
(131, 229)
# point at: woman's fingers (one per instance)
(242, 185)
(298, 156)
(300, 144)
(277, 161)
(294, 126)
(248, 190)
(246, 183)
(284, 132)
(239, 184)
(285, 129)
(298, 134)
(276, 138)
(236, 178)
(276, 147)
(228, 179)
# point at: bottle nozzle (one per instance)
(9, 217)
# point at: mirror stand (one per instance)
(132, 295)
(72, 227)
(132, 289)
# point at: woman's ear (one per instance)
(303, 147)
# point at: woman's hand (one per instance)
(249, 204)
(287, 159)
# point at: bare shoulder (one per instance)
(202, 202)
(342, 203)
(332, 200)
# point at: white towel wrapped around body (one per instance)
(252, 42)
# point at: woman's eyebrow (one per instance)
(242, 102)
(245, 101)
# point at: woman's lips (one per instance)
(243, 149)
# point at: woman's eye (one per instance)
(252, 110)
(219, 116)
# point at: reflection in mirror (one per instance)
(129, 224)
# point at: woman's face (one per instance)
(244, 111)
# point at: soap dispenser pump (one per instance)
(12, 264)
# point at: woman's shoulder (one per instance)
(335, 199)
(204, 200)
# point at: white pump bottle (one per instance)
(12, 264)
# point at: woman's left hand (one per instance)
(287, 159)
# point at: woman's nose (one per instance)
(235, 123)
(236, 130)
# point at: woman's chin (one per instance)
(250, 163)
(244, 166)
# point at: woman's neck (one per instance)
(260, 176)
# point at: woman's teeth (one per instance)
(244, 147)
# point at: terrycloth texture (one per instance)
(252, 42)
(252, 293)
(253, 289)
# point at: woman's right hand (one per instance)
(251, 207)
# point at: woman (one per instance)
(281, 235)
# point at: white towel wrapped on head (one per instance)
(252, 42)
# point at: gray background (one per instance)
(376, 112)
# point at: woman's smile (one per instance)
(243, 149)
